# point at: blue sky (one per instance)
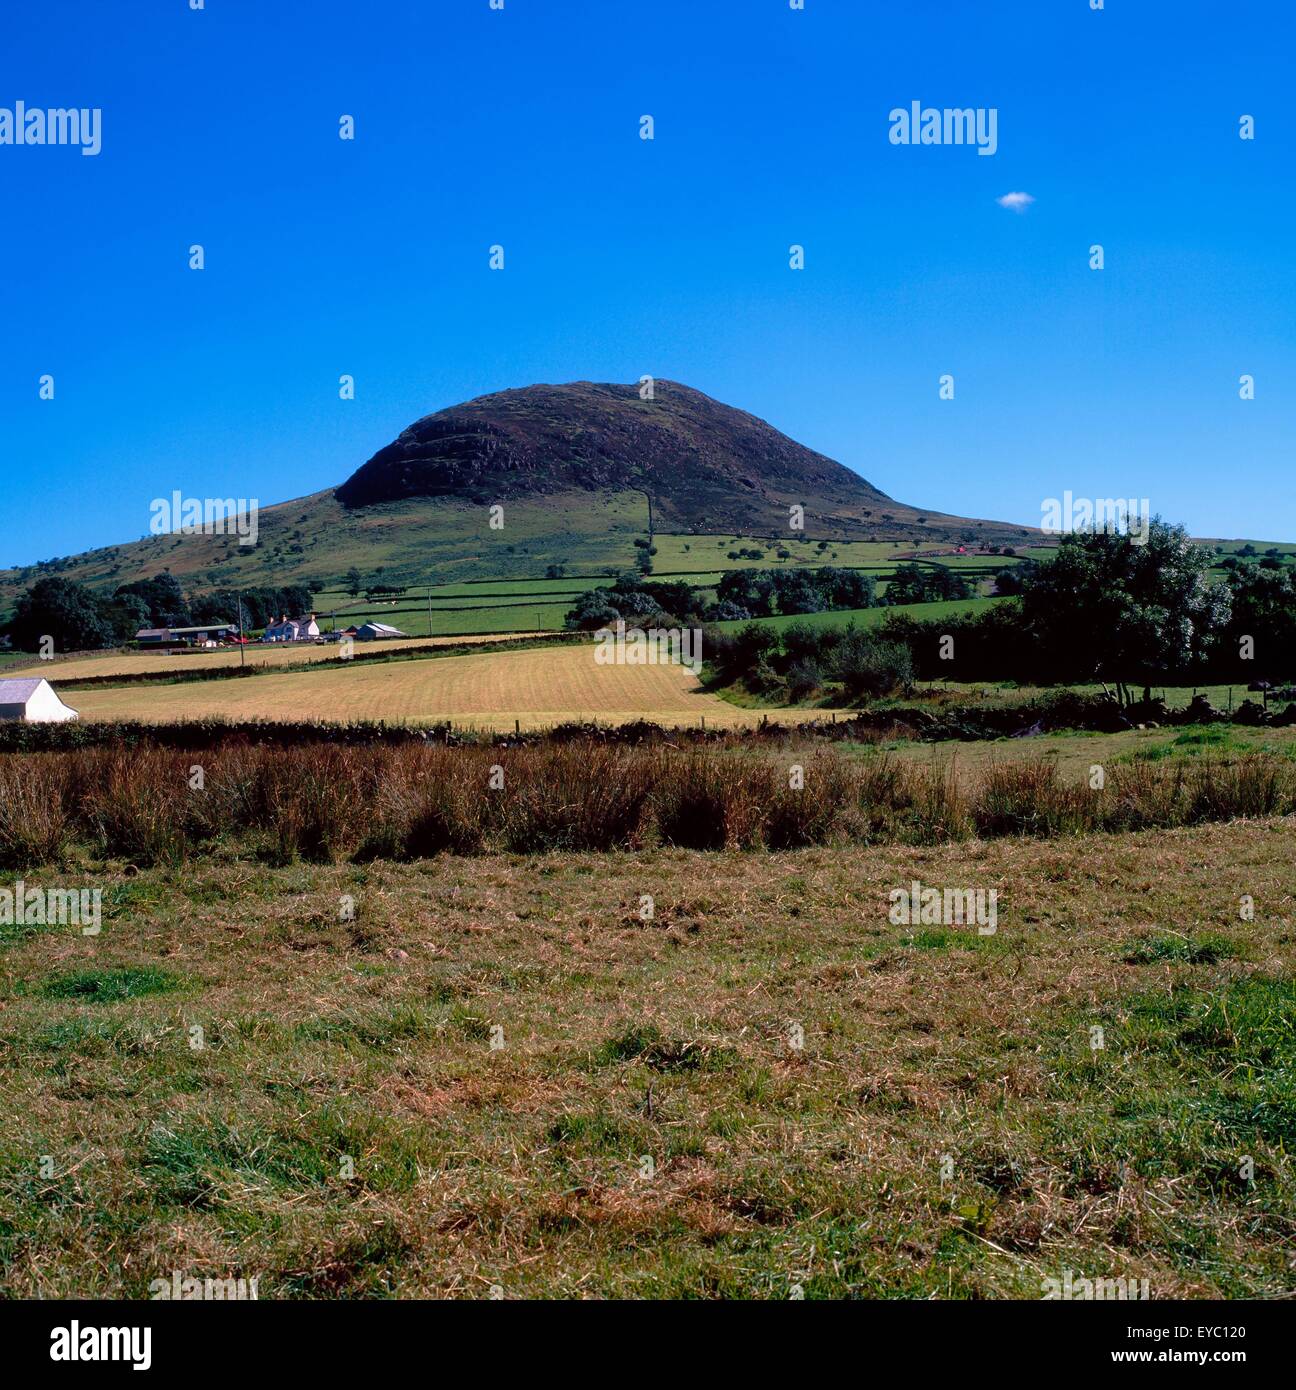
(670, 257)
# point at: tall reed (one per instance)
(329, 802)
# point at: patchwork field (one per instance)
(499, 1075)
(536, 688)
(687, 554)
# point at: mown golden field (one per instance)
(537, 688)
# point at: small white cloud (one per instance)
(1017, 202)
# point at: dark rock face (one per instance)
(706, 465)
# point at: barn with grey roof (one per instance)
(33, 701)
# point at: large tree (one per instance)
(1115, 607)
(162, 596)
(74, 617)
(1261, 637)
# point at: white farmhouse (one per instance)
(33, 702)
(293, 629)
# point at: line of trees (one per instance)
(763, 593)
(925, 584)
(636, 598)
(78, 618)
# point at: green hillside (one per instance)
(315, 541)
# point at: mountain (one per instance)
(576, 466)
(706, 466)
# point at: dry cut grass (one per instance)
(537, 688)
(662, 1074)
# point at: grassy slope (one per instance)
(773, 1166)
(447, 540)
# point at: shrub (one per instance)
(135, 803)
(868, 666)
(316, 805)
(815, 813)
(427, 802)
(804, 679)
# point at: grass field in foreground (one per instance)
(767, 1086)
(538, 688)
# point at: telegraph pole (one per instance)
(242, 652)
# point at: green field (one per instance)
(873, 617)
(1075, 753)
(685, 554)
(1232, 547)
(462, 608)
(450, 618)
(481, 591)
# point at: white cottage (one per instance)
(293, 629)
(33, 702)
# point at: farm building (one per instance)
(293, 629)
(367, 632)
(206, 636)
(33, 702)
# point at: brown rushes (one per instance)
(33, 817)
(133, 803)
(1143, 795)
(329, 802)
(426, 802)
(703, 801)
(316, 806)
(1250, 787)
(1030, 799)
(815, 812)
(572, 797)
